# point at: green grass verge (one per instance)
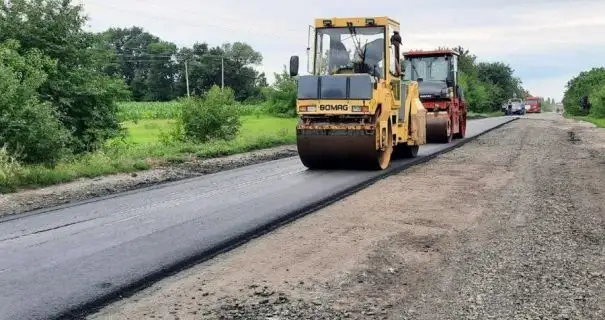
(599, 122)
(475, 115)
(143, 149)
(147, 123)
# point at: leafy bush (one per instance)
(597, 101)
(29, 128)
(475, 93)
(281, 96)
(586, 83)
(10, 170)
(486, 85)
(214, 116)
(75, 85)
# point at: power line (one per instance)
(238, 21)
(196, 25)
(186, 63)
(177, 56)
(160, 55)
(134, 57)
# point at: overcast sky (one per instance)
(546, 41)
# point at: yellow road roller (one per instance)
(354, 109)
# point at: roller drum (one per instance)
(340, 149)
(437, 130)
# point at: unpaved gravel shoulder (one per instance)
(510, 226)
(84, 189)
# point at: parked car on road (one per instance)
(514, 106)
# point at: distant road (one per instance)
(61, 259)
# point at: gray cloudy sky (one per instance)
(546, 42)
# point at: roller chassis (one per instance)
(360, 115)
(346, 141)
(446, 117)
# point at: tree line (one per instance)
(156, 70)
(585, 94)
(487, 85)
(60, 83)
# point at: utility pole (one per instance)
(187, 78)
(222, 73)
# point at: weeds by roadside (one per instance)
(599, 122)
(474, 115)
(160, 134)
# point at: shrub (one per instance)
(214, 116)
(75, 85)
(585, 83)
(30, 129)
(34, 133)
(282, 95)
(9, 170)
(597, 102)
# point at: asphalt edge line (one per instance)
(134, 190)
(127, 291)
(145, 186)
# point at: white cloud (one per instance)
(498, 29)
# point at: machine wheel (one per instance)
(322, 152)
(384, 157)
(404, 151)
(462, 127)
(439, 131)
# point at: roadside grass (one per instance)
(476, 115)
(144, 148)
(599, 122)
(136, 111)
(148, 124)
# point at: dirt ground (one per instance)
(510, 226)
(85, 188)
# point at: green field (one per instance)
(134, 111)
(145, 146)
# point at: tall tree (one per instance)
(205, 70)
(83, 95)
(586, 84)
(466, 61)
(144, 61)
(487, 84)
(501, 76)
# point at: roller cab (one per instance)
(354, 109)
(437, 75)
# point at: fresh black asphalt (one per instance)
(65, 258)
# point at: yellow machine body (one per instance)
(360, 113)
